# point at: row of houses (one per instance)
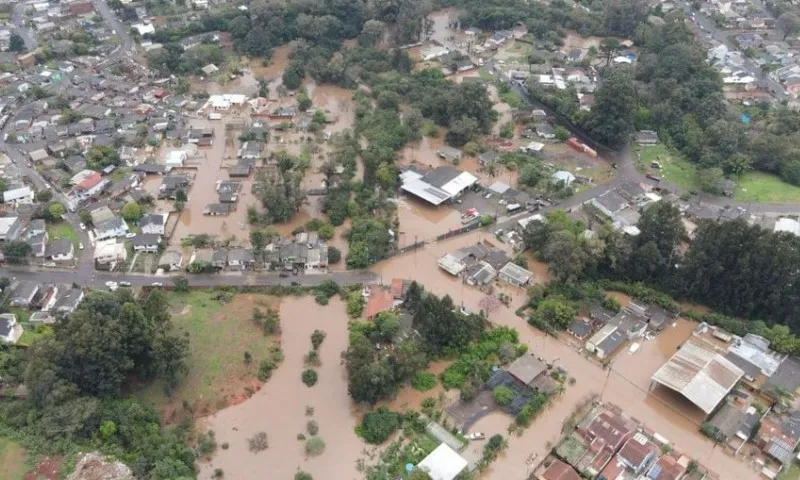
(480, 264)
(611, 445)
(47, 301)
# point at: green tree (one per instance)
(15, 251)
(56, 211)
(334, 255)
(503, 395)
(372, 32)
(710, 180)
(556, 312)
(376, 427)
(131, 212)
(387, 325)
(611, 120)
(16, 43)
(789, 24)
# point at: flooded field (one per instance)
(627, 389)
(279, 408)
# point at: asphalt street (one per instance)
(18, 18)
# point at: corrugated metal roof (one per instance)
(702, 376)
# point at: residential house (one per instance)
(667, 467)
(35, 228)
(637, 453)
(778, 440)
(646, 137)
(100, 214)
(580, 328)
(107, 252)
(17, 196)
(74, 163)
(450, 154)
(218, 209)
(379, 301)
(251, 150)
(749, 40)
(515, 275)
(10, 330)
(38, 244)
(68, 300)
(170, 261)
(480, 273)
(91, 184)
(9, 228)
(488, 157)
(41, 318)
(604, 435)
(606, 341)
(546, 131)
(112, 228)
(219, 259)
(154, 223)
(24, 294)
(559, 470)
(241, 258)
(146, 242)
(60, 250)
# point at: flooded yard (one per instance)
(627, 389)
(279, 408)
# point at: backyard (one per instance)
(674, 168)
(763, 187)
(220, 330)
(63, 230)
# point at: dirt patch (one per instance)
(48, 468)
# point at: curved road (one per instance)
(126, 42)
(18, 18)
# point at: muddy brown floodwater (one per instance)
(627, 383)
(279, 407)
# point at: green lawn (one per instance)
(219, 334)
(12, 460)
(676, 169)
(63, 230)
(765, 188)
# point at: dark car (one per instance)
(295, 284)
(283, 274)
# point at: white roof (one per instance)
(788, 225)
(523, 223)
(460, 183)
(443, 463)
(176, 156)
(144, 29)
(564, 176)
(426, 191)
(108, 248)
(499, 187)
(450, 264)
(17, 193)
(6, 223)
(702, 376)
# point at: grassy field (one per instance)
(219, 334)
(63, 230)
(13, 464)
(762, 187)
(675, 168)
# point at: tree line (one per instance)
(734, 268)
(75, 378)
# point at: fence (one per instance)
(459, 231)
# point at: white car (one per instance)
(476, 436)
(80, 245)
(82, 225)
(157, 284)
(130, 235)
(113, 286)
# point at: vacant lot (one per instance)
(12, 460)
(765, 188)
(675, 168)
(63, 230)
(219, 334)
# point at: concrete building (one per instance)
(443, 463)
(109, 251)
(9, 228)
(437, 186)
(515, 275)
(16, 196)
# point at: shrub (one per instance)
(317, 338)
(423, 381)
(376, 427)
(312, 427)
(301, 475)
(258, 442)
(309, 377)
(312, 358)
(265, 370)
(315, 446)
(219, 473)
(206, 444)
(225, 446)
(503, 395)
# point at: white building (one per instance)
(154, 223)
(438, 185)
(443, 463)
(175, 159)
(22, 195)
(109, 251)
(144, 28)
(789, 225)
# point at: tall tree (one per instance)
(789, 24)
(16, 43)
(612, 118)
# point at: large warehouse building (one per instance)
(702, 376)
(438, 185)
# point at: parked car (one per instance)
(130, 235)
(80, 245)
(476, 436)
(157, 284)
(82, 225)
(113, 286)
(124, 283)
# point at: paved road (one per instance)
(99, 279)
(18, 18)
(126, 43)
(722, 36)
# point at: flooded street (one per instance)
(626, 385)
(279, 407)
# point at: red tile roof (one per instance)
(397, 287)
(613, 470)
(559, 470)
(379, 301)
(636, 452)
(90, 181)
(611, 429)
